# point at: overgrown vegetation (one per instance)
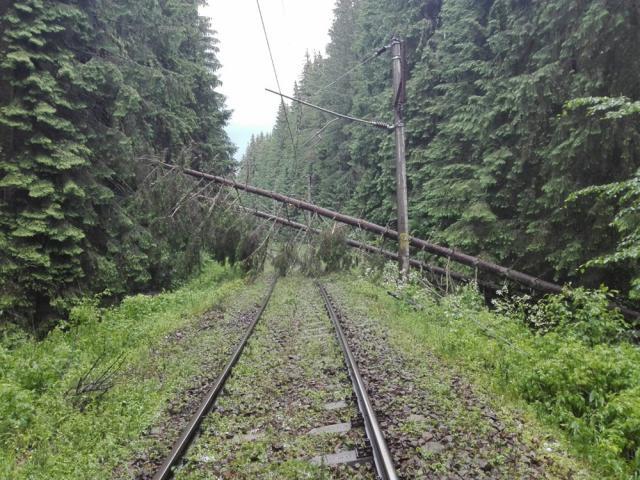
(51, 427)
(524, 148)
(568, 357)
(316, 255)
(333, 251)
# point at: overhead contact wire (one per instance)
(275, 73)
(355, 67)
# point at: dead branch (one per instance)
(94, 383)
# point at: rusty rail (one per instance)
(381, 455)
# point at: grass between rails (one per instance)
(580, 386)
(47, 431)
(291, 368)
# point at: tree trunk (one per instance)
(369, 248)
(423, 245)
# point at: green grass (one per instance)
(572, 379)
(46, 432)
(582, 386)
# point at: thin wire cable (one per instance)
(355, 67)
(379, 52)
(373, 123)
(275, 73)
(319, 132)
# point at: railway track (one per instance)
(381, 456)
(190, 432)
(323, 400)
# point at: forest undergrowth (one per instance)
(75, 404)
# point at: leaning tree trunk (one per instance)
(423, 245)
(371, 249)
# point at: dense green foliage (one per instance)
(89, 92)
(523, 147)
(578, 371)
(46, 433)
(493, 153)
(625, 195)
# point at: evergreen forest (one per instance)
(136, 265)
(91, 92)
(523, 131)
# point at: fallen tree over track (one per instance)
(365, 247)
(525, 279)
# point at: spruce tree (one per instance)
(493, 156)
(45, 212)
(94, 91)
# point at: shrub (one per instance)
(333, 250)
(573, 379)
(622, 417)
(285, 259)
(581, 314)
(16, 410)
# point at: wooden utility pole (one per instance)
(399, 96)
(310, 189)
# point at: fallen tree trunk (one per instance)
(462, 258)
(369, 248)
(459, 257)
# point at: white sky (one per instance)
(294, 27)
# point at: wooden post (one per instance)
(399, 80)
(309, 190)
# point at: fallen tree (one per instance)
(423, 245)
(369, 248)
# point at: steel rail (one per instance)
(381, 456)
(181, 446)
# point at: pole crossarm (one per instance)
(372, 123)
